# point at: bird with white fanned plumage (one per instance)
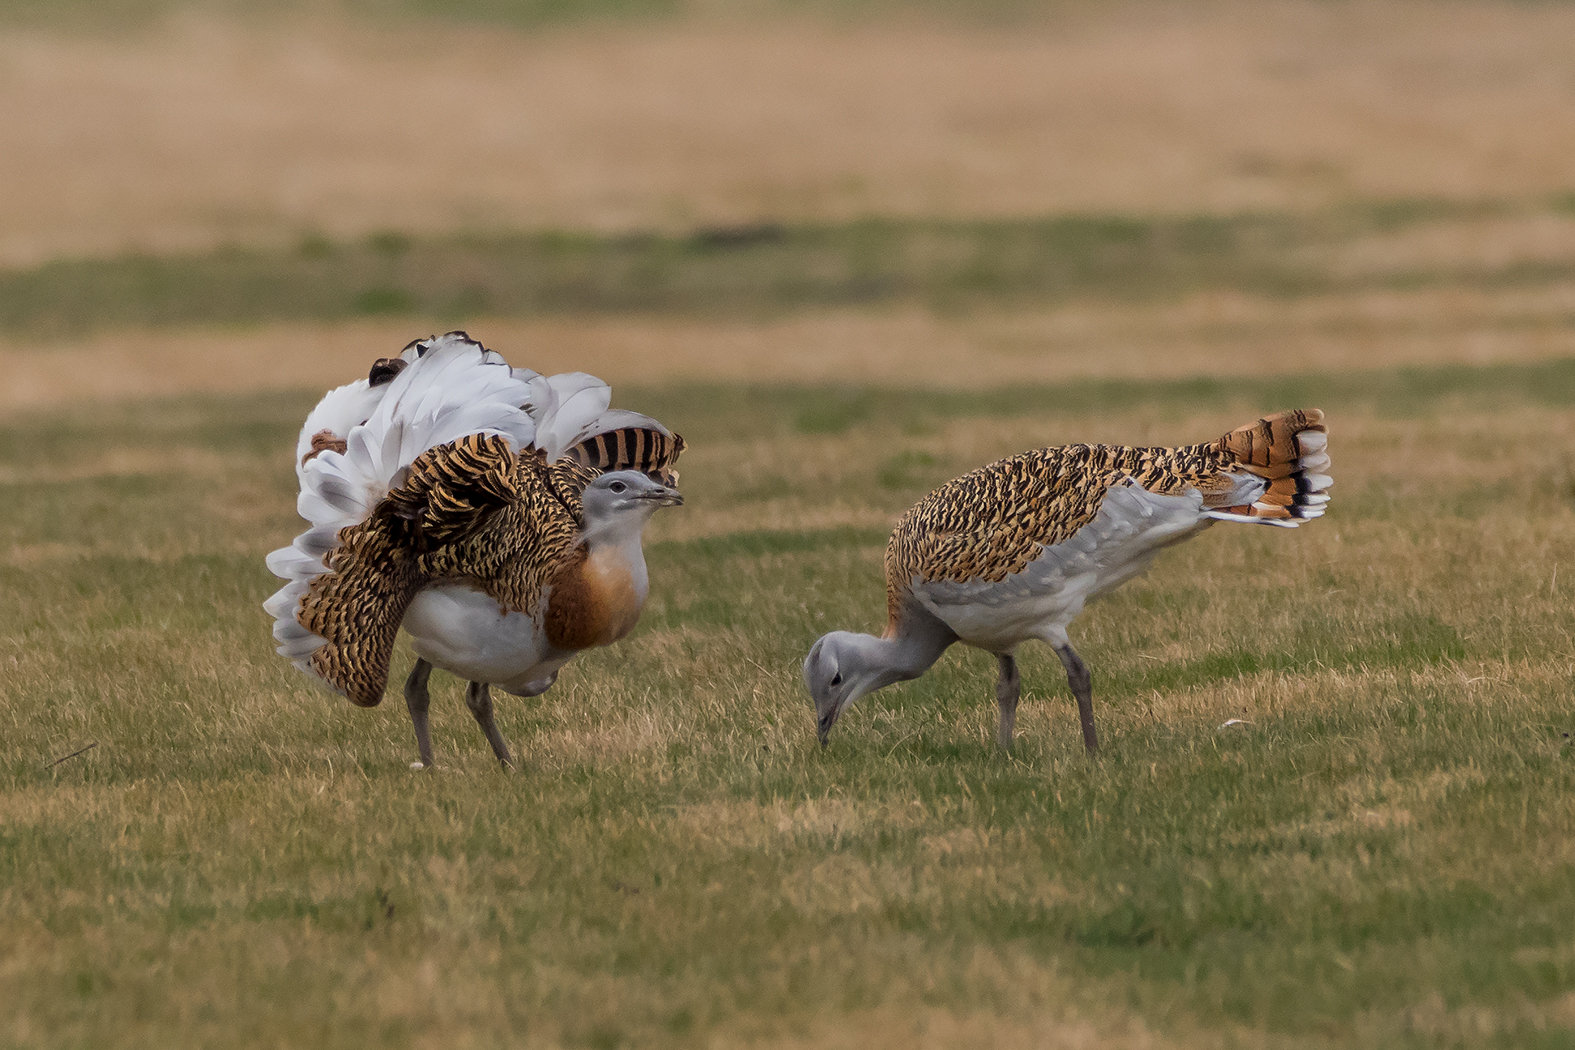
(493, 513)
(1012, 551)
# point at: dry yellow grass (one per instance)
(207, 131)
(1216, 334)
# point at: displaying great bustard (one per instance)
(1013, 550)
(493, 513)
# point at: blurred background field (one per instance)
(849, 249)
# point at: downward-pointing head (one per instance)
(838, 671)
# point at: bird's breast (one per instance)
(596, 598)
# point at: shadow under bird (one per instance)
(1013, 550)
(492, 512)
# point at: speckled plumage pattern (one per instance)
(990, 523)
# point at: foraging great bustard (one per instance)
(493, 513)
(1013, 550)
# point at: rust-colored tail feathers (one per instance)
(1289, 451)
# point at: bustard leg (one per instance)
(479, 699)
(1007, 689)
(1082, 684)
(418, 699)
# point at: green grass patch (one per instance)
(748, 271)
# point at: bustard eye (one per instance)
(836, 679)
(618, 487)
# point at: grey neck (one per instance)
(620, 528)
(908, 652)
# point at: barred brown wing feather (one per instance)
(449, 493)
(469, 510)
(452, 491)
(357, 606)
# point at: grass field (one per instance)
(1380, 857)
(849, 250)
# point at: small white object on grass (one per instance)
(1234, 722)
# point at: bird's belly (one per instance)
(463, 631)
(1122, 541)
(1014, 618)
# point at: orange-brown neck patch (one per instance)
(593, 602)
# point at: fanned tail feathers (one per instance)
(1289, 452)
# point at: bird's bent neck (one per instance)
(908, 648)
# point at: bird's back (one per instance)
(991, 523)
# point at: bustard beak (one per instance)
(665, 497)
(825, 723)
